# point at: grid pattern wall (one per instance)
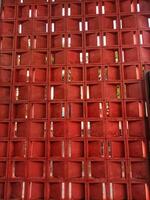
(73, 115)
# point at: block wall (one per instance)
(73, 114)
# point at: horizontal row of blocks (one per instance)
(109, 23)
(75, 129)
(73, 110)
(73, 190)
(72, 149)
(94, 40)
(117, 170)
(74, 8)
(76, 57)
(109, 91)
(59, 75)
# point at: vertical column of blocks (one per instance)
(7, 45)
(133, 56)
(76, 101)
(95, 141)
(57, 103)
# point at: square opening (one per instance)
(2, 170)
(37, 129)
(75, 169)
(15, 190)
(36, 169)
(97, 169)
(18, 149)
(37, 149)
(4, 129)
(96, 149)
(37, 190)
(3, 149)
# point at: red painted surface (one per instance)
(73, 120)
